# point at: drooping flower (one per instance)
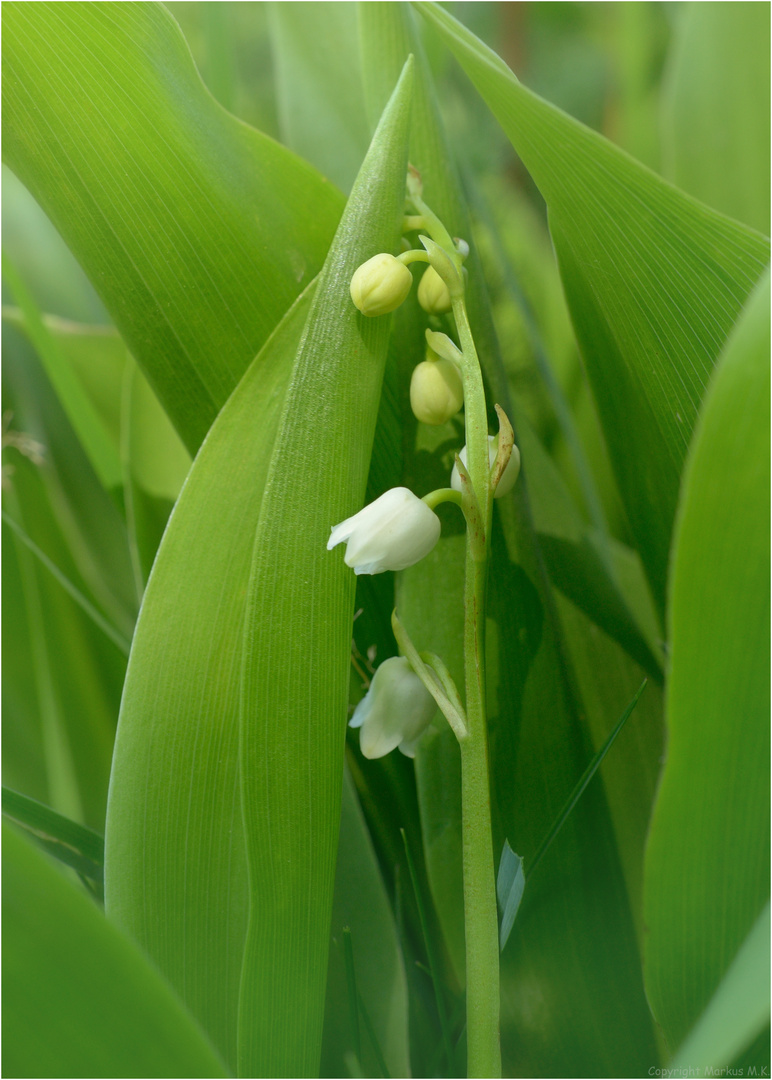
(380, 285)
(436, 390)
(395, 531)
(508, 477)
(395, 712)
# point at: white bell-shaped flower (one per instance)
(395, 531)
(395, 712)
(508, 477)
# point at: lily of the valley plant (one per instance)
(385, 539)
(398, 530)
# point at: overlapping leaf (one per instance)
(197, 231)
(298, 628)
(175, 870)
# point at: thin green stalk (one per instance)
(481, 916)
(480, 913)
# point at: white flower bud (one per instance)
(508, 477)
(380, 285)
(396, 710)
(436, 391)
(395, 531)
(433, 293)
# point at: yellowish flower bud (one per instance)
(436, 391)
(380, 285)
(433, 294)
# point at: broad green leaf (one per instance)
(70, 843)
(197, 231)
(715, 108)
(297, 640)
(653, 279)
(574, 937)
(175, 869)
(707, 864)
(360, 904)
(80, 999)
(175, 864)
(738, 1010)
(319, 86)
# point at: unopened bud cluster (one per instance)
(399, 529)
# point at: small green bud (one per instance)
(436, 391)
(380, 285)
(433, 293)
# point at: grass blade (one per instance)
(582, 783)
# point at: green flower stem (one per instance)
(436, 229)
(414, 255)
(441, 495)
(480, 913)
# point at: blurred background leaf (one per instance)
(319, 86)
(715, 113)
